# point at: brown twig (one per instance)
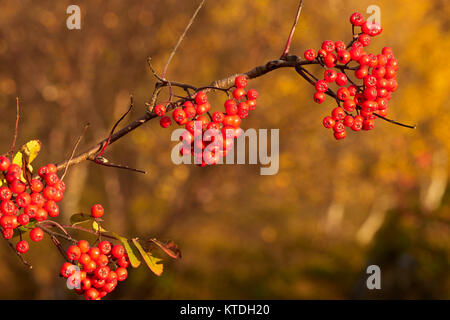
(25, 262)
(75, 149)
(291, 34)
(16, 130)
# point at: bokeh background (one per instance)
(378, 197)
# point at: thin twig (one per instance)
(163, 75)
(75, 149)
(25, 262)
(291, 34)
(16, 130)
(395, 122)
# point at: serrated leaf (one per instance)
(78, 218)
(134, 261)
(96, 227)
(151, 261)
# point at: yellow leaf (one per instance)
(151, 261)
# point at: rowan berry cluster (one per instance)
(95, 271)
(208, 137)
(358, 104)
(24, 201)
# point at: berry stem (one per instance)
(16, 130)
(395, 122)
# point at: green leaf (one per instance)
(78, 218)
(135, 262)
(96, 227)
(151, 261)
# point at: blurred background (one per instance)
(309, 232)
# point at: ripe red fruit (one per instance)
(4, 163)
(102, 260)
(7, 207)
(36, 185)
(51, 179)
(22, 246)
(341, 79)
(14, 168)
(94, 252)
(319, 97)
(73, 253)
(343, 93)
(165, 122)
(355, 53)
(348, 121)
(102, 272)
(349, 105)
(252, 94)
(361, 72)
(368, 124)
(179, 115)
(201, 98)
(97, 211)
(189, 109)
(343, 56)
(321, 86)
(364, 39)
(17, 186)
(338, 126)
(23, 219)
(328, 122)
(340, 45)
(310, 54)
(91, 294)
(7, 233)
(118, 251)
(104, 247)
(41, 214)
(328, 46)
(23, 199)
(67, 269)
(230, 107)
(330, 75)
(122, 273)
(240, 81)
(36, 234)
(330, 60)
(159, 110)
(356, 19)
(5, 193)
(340, 135)
(238, 93)
(338, 113)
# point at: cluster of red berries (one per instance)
(216, 132)
(22, 202)
(95, 271)
(377, 72)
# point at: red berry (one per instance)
(340, 45)
(349, 105)
(179, 115)
(252, 94)
(94, 253)
(328, 46)
(36, 185)
(122, 274)
(165, 122)
(22, 246)
(5, 193)
(362, 72)
(319, 97)
(104, 247)
(17, 186)
(338, 126)
(328, 122)
(67, 269)
(340, 135)
(348, 121)
(23, 219)
(118, 251)
(4, 163)
(356, 19)
(97, 211)
(240, 81)
(201, 98)
(73, 253)
(330, 75)
(91, 294)
(238, 93)
(364, 39)
(41, 215)
(159, 110)
(330, 60)
(343, 56)
(189, 109)
(321, 86)
(341, 79)
(310, 54)
(343, 93)
(338, 113)
(102, 272)
(36, 234)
